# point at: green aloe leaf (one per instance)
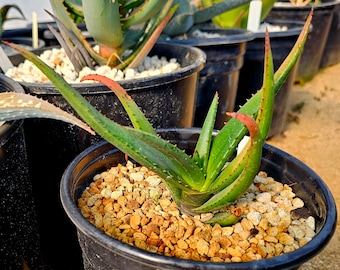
(202, 150)
(149, 9)
(138, 119)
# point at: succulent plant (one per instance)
(4, 12)
(205, 181)
(124, 30)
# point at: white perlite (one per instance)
(131, 204)
(58, 60)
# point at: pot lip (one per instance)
(293, 30)
(287, 5)
(21, 40)
(291, 259)
(197, 54)
(232, 36)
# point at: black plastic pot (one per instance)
(331, 53)
(103, 252)
(221, 72)
(18, 36)
(19, 235)
(251, 74)
(322, 17)
(168, 101)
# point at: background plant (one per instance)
(125, 30)
(210, 178)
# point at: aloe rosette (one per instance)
(124, 30)
(209, 179)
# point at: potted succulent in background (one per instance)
(197, 183)
(19, 234)
(323, 13)
(168, 100)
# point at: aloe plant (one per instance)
(124, 30)
(4, 15)
(206, 181)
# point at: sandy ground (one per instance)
(311, 136)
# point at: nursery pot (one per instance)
(221, 71)
(103, 252)
(331, 53)
(21, 36)
(19, 235)
(310, 58)
(168, 100)
(251, 73)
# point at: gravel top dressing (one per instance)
(133, 205)
(58, 60)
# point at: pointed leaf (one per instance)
(138, 119)
(265, 113)
(202, 149)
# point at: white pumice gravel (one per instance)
(132, 205)
(58, 60)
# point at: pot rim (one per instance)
(231, 36)
(288, 260)
(326, 4)
(293, 30)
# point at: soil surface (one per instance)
(311, 135)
